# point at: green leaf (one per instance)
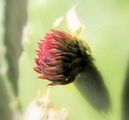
(106, 33)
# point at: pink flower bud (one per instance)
(61, 57)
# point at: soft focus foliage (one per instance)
(106, 31)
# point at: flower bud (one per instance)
(61, 57)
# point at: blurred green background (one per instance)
(24, 23)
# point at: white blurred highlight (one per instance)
(42, 109)
(73, 21)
